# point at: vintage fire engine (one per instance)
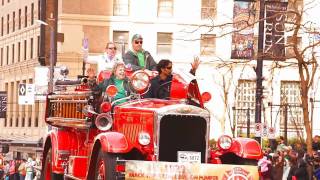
(90, 140)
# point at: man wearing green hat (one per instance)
(137, 57)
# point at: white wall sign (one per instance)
(26, 94)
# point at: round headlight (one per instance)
(225, 142)
(140, 81)
(111, 90)
(144, 138)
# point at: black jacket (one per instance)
(159, 88)
(132, 59)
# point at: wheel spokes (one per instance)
(101, 170)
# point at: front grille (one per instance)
(131, 131)
(182, 133)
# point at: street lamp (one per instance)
(52, 50)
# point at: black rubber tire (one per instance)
(109, 161)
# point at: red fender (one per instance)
(61, 140)
(113, 142)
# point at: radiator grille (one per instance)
(131, 131)
(182, 133)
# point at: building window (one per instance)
(7, 55)
(245, 102)
(17, 122)
(36, 122)
(11, 122)
(25, 50)
(208, 9)
(291, 99)
(2, 21)
(23, 121)
(29, 122)
(32, 13)
(31, 48)
(38, 46)
(289, 47)
(165, 8)
(8, 23)
(208, 44)
(1, 56)
(121, 38)
(5, 122)
(19, 51)
(2, 2)
(13, 53)
(19, 19)
(39, 6)
(164, 43)
(13, 21)
(25, 16)
(120, 7)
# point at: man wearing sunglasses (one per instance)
(106, 60)
(137, 57)
(161, 84)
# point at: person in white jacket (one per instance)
(30, 169)
(104, 61)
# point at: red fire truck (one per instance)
(85, 143)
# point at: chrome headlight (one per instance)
(225, 142)
(140, 81)
(144, 138)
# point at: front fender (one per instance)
(113, 142)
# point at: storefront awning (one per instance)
(21, 140)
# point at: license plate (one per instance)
(189, 156)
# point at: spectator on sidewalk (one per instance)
(316, 143)
(30, 169)
(22, 169)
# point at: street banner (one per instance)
(144, 170)
(26, 94)
(243, 32)
(274, 45)
(3, 104)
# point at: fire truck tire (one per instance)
(105, 166)
(47, 173)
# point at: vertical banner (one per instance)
(3, 104)
(274, 47)
(243, 35)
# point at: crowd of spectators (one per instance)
(18, 169)
(291, 162)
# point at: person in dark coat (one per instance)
(161, 84)
(277, 166)
(137, 57)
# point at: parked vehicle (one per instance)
(94, 140)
